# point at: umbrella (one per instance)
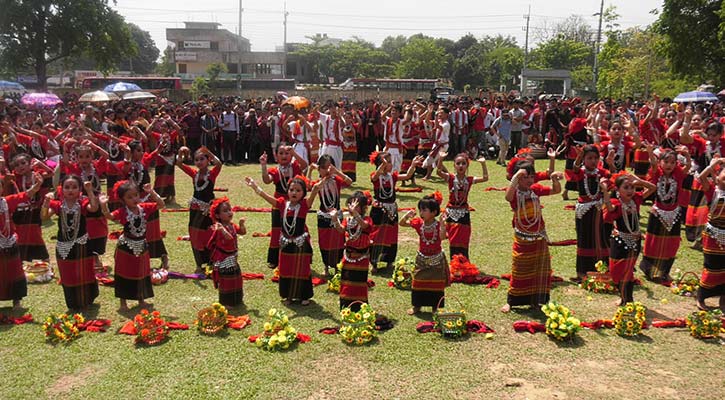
(297, 102)
(138, 96)
(41, 99)
(692, 97)
(122, 87)
(722, 93)
(98, 97)
(12, 87)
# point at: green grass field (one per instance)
(662, 363)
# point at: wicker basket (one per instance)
(450, 323)
(679, 284)
(210, 324)
(359, 325)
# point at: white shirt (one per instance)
(328, 131)
(230, 122)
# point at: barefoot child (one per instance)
(355, 259)
(458, 216)
(431, 274)
(13, 285)
(531, 265)
(712, 281)
(223, 247)
(75, 261)
(295, 251)
(132, 271)
(626, 238)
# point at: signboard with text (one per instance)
(185, 56)
(196, 44)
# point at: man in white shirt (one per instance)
(393, 135)
(460, 128)
(230, 131)
(442, 135)
(274, 128)
(517, 120)
(332, 135)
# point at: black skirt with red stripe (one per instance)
(132, 274)
(30, 235)
(712, 281)
(164, 180)
(78, 277)
(592, 240)
(331, 242)
(230, 283)
(199, 233)
(13, 285)
(660, 248)
(97, 227)
(354, 282)
(459, 234)
(295, 280)
(384, 237)
(157, 249)
(697, 210)
(349, 159)
(273, 250)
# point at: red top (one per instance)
(280, 186)
(583, 178)
(429, 242)
(120, 215)
(616, 214)
(339, 184)
(654, 131)
(223, 245)
(387, 186)
(458, 198)
(362, 242)
(523, 218)
(679, 175)
(13, 201)
(206, 193)
(300, 227)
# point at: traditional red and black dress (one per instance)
(426, 139)
(431, 274)
(712, 281)
(132, 274)
(355, 262)
(164, 174)
(199, 220)
(26, 219)
(592, 233)
(331, 241)
(701, 152)
(458, 216)
(384, 213)
(281, 176)
(576, 136)
(13, 285)
(531, 264)
(75, 262)
(295, 251)
(622, 151)
(663, 228)
(227, 274)
(625, 244)
(410, 140)
(349, 152)
(97, 223)
(113, 174)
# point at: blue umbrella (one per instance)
(693, 97)
(122, 87)
(7, 86)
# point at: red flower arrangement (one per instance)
(214, 205)
(373, 156)
(151, 329)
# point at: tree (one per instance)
(199, 87)
(392, 45)
(34, 34)
(490, 62)
(694, 33)
(421, 58)
(166, 67)
(213, 71)
(561, 53)
(144, 61)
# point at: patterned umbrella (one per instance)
(138, 96)
(297, 102)
(98, 97)
(693, 97)
(122, 87)
(41, 100)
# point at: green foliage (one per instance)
(166, 66)
(34, 34)
(213, 71)
(199, 87)
(392, 46)
(144, 61)
(421, 58)
(490, 62)
(561, 53)
(350, 59)
(694, 42)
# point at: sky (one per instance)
(373, 20)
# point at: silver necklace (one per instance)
(717, 196)
(285, 174)
(354, 229)
(460, 189)
(289, 228)
(70, 220)
(666, 189)
(426, 229)
(527, 222)
(36, 148)
(630, 209)
(588, 174)
(201, 177)
(136, 222)
(618, 156)
(386, 193)
(328, 195)
(136, 173)
(5, 210)
(113, 149)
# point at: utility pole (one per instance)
(284, 66)
(596, 49)
(241, 43)
(527, 17)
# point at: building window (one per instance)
(214, 45)
(291, 68)
(232, 68)
(182, 68)
(180, 45)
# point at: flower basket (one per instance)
(599, 281)
(278, 334)
(151, 329)
(450, 323)
(333, 285)
(211, 320)
(38, 272)
(402, 277)
(358, 327)
(685, 284)
(629, 319)
(560, 324)
(62, 327)
(705, 324)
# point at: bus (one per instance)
(145, 82)
(391, 84)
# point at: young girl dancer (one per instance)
(223, 247)
(431, 274)
(331, 243)
(355, 259)
(626, 238)
(531, 265)
(712, 281)
(663, 228)
(132, 272)
(384, 211)
(75, 262)
(290, 164)
(165, 159)
(295, 251)
(458, 216)
(13, 285)
(592, 243)
(199, 220)
(27, 215)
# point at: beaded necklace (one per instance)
(386, 193)
(136, 222)
(203, 178)
(587, 175)
(354, 229)
(526, 222)
(666, 189)
(289, 228)
(460, 189)
(328, 195)
(429, 228)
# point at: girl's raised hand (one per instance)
(604, 184)
(147, 188)
(263, 158)
(250, 182)
(103, 199)
(87, 186)
(49, 196)
(551, 153)
(558, 175)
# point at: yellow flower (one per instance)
(259, 342)
(365, 333)
(272, 312)
(554, 325)
(267, 326)
(285, 319)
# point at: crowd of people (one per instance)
(618, 155)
